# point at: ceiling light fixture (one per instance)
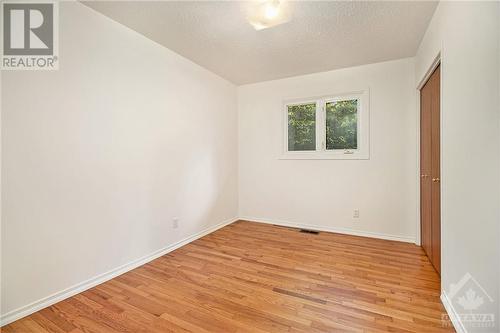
(267, 13)
(272, 9)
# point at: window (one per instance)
(342, 124)
(302, 127)
(328, 128)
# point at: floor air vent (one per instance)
(307, 231)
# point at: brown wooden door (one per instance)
(430, 176)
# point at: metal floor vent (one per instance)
(307, 231)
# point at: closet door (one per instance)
(430, 201)
(425, 169)
(436, 172)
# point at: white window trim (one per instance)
(321, 153)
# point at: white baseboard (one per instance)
(330, 229)
(80, 287)
(454, 317)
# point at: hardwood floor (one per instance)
(252, 277)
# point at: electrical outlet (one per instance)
(355, 214)
(175, 223)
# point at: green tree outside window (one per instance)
(302, 127)
(342, 124)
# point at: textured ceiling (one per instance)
(321, 35)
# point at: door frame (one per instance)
(435, 63)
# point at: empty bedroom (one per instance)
(250, 166)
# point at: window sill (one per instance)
(324, 156)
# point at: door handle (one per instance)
(436, 180)
(424, 176)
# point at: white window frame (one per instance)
(363, 129)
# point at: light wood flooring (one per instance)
(252, 277)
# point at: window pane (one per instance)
(342, 124)
(302, 127)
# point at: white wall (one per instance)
(324, 193)
(101, 154)
(467, 35)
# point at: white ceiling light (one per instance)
(272, 9)
(267, 13)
